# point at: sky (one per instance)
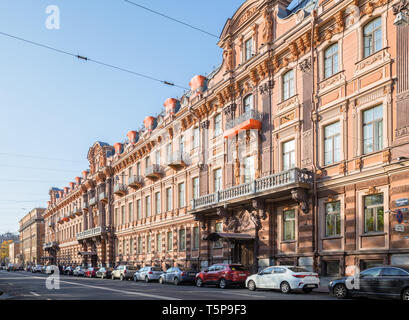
(53, 107)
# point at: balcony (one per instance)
(77, 211)
(95, 232)
(85, 206)
(120, 189)
(178, 160)
(51, 224)
(92, 201)
(103, 197)
(250, 120)
(50, 245)
(135, 182)
(277, 182)
(71, 215)
(153, 172)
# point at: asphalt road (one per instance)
(28, 286)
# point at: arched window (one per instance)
(372, 37)
(288, 84)
(248, 103)
(331, 60)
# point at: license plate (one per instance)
(310, 286)
(242, 274)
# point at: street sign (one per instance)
(399, 228)
(399, 216)
(402, 202)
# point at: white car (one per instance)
(148, 274)
(51, 269)
(284, 278)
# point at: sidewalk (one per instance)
(324, 281)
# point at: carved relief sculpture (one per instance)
(268, 27)
(301, 196)
(228, 58)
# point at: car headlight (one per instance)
(331, 282)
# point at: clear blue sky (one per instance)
(55, 107)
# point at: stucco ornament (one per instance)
(352, 15)
(268, 26)
(228, 58)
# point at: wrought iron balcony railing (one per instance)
(92, 233)
(272, 182)
(135, 181)
(178, 159)
(251, 114)
(153, 171)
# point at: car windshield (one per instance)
(237, 268)
(298, 269)
(156, 269)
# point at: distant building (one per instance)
(32, 236)
(14, 252)
(8, 236)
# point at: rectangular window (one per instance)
(123, 214)
(248, 103)
(248, 49)
(374, 213)
(169, 152)
(169, 199)
(157, 203)
(196, 137)
(130, 174)
(130, 211)
(289, 225)
(289, 155)
(181, 194)
(159, 242)
(181, 144)
(218, 228)
(332, 143)
(116, 217)
(140, 245)
(139, 209)
(373, 129)
(249, 172)
(288, 85)
(331, 60)
(217, 180)
(333, 219)
(195, 238)
(149, 243)
(148, 206)
(170, 241)
(138, 169)
(182, 239)
(157, 157)
(195, 187)
(372, 37)
(147, 161)
(218, 125)
(131, 246)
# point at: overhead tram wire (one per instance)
(84, 58)
(173, 19)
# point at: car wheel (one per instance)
(340, 291)
(121, 277)
(307, 290)
(102, 277)
(176, 281)
(252, 285)
(113, 277)
(146, 279)
(199, 282)
(285, 287)
(161, 280)
(222, 284)
(405, 295)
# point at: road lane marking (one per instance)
(34, 294)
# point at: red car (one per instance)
(91, 272)
(223, 275)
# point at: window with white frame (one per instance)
(169, 151)
(147, 206)
(333, 219)
(157, 203)
(170, 241)
(288, 84)
(196, 137)
(372, 37)
(332, 143)
(130, 174)
(249, 172)
(195, 187)
(248, 49)
(218, 125)
(217, 179)
(159, 242)
(181, 194)
(147, 162)
(139, 209)
(331, 60)
(289, 225)
(123, 214)
(169, 200)
(289, 155)
(130, 211)
(181, 144)
(182, 239)
(372, 129)
(374, 213)
(248, 103)
(157, 157)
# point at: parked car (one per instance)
(91, 272)
(104, 273)
(223, 275)
(43, 269)
(284, 278)
(10, 267)
(28, 268)
(391, 282)
(69, 271)
(148, 274)
(36, 268)
(177, 275)
(136, 275)
(79, 271)
(50, 269)
(123, 272)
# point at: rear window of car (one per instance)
(237, 268)
(297, 269)
(132, 268)
(156, 269)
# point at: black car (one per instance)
(104, 273)
(390, 282)
(69, 271)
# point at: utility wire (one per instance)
(173, 19)
(36, 157)
(168, 83)
(33, 168)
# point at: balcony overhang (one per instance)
(91, 233)
(120, 190)
(250, 124)
(103, 197)
(276, 186)
(153, 173)
(229, 236)
(135, 182)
